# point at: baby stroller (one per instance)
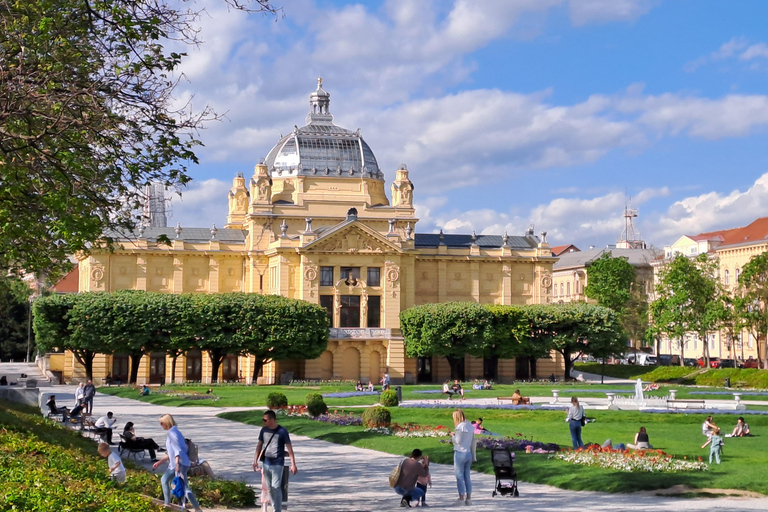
(506, 476)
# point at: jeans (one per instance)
(273, 474)
(575, 426)
(462, 465)
(166, 480)
(714, 453)
(414, 494)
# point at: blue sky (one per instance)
(507, 112)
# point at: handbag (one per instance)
(394, 476)
(263, 455)
(177, 487)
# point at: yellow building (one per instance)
(314, 222)
(733, 248)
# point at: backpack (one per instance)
(192, 451)
(394, 476)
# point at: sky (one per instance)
(508, 113)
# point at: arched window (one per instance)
(555, 290)
(561, 289)
(568, 289)
(727, 278)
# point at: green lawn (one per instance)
(256, 396)
(677, 434)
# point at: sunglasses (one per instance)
(265, 420)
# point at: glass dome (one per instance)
(321, 148)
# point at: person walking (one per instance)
(463, 439)
(274, 442)
(89, 392)
(575, 420)
(178, 462)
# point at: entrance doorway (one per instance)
(229, 369)
(157, 368)
(194, 366)
(424, 369)
(119, 369)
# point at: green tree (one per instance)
(451, 329)
(609, 281)
(87, 118)
(574, 329)
(14, 318)
(690, 299)
(510, 337)
(752, 302)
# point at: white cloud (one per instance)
(712, 211)
(202, 204)
(737, 48)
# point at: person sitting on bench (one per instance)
(518, 399)
(51, 403)
(104, 426)
(456, 388)
(447, 390)
(132, 441)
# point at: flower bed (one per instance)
(187, 395)
(410, 430)
(449, 404)
(334, 417)
(654, 461)
(350, 393)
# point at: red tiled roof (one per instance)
(69, 283)
(561, 249)
(754, 232)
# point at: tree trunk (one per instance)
(532, 365)
(682, 352)
(217, 357)
(135, 363)
(706, 351)
(258, 364)
(85, 358)
(173, 367)
(568, 364)
(454, 363)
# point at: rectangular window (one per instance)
(350, 275)
(326, 301)
(374, 311)
(554, 288)
(326, 276)
(350, 311)
(374, 276)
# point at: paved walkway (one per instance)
(341, 478)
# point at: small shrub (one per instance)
(316, 405)
(388, 398)
(277, 400)
(377, 416)
(317, 408)
(311, 397)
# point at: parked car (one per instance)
(669, 360)
(727, 363)
(689, 361)
(714, 362)
(752, 363)
(641, 359)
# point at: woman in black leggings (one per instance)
(131, 441)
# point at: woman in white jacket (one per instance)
(463, 455)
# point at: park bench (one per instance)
(685, 404)
(515, 401)
(132, 451)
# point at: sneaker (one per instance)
(404, 503)
(468, 502)
(459, 501)
(153, 460)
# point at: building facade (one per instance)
(314, 222)
(733, 248)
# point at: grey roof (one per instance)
(484, 241)
(322, 149)
(187, 234)
(578, 259)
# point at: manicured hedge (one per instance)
(44, 466)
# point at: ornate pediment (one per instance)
(353, 239)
